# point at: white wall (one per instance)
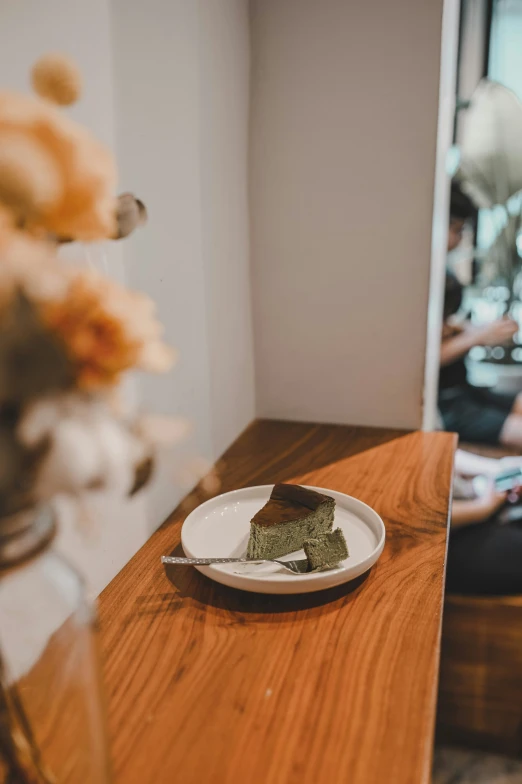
(166, 85)
(473, 45)
(439, 236)
(224, 100)
(343, 132)
(181, 73)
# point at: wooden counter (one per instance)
(208, 685)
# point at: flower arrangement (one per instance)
(68, 336)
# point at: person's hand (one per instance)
(450, 330)
(491, 501)
(497, 333)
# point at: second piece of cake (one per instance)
(327, 550)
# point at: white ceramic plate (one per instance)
(220, 528)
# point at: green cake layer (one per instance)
(292, 515)
(327, 550)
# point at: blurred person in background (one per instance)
(476, 414)
(485, 551)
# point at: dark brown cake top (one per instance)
(289, 502)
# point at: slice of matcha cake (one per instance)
(327, 550)
(291, 515)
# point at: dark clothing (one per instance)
(454, 375)
(476, 414)
(453, 295)
(485, 560)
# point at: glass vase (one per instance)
(52, 727)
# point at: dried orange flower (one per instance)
(95, 339)
(55, 177)
(57, 78)
(28, 264)
(106, 330)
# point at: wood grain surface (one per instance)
(211, 685)
(480, 690)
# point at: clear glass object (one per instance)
(52, 728)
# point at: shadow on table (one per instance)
(191, 584)
(273, 451)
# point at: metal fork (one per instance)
(300, 566)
